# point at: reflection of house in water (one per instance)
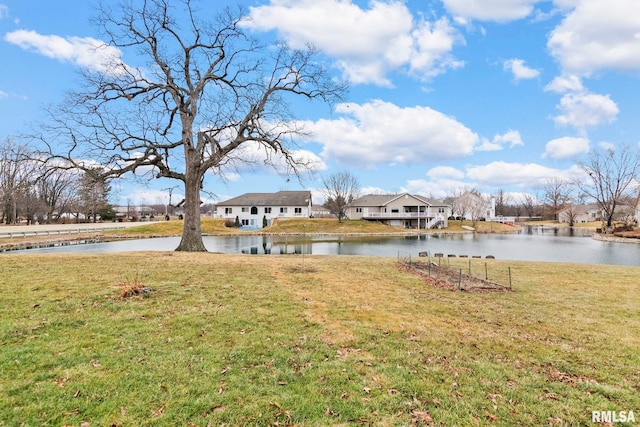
(289, 246)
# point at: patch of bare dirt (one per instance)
(452, 280)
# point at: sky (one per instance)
(444, 94)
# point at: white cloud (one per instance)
(519, 70)
(512, 137)
(501, 174)
(373, 190)
(566, 147)
(85, 52)
(597, 35)
(564, 84)
(491, 10)
(432, 44)
(382, 133)
(444, 172)
(367, 43)
(607, 146)
(494, 175)
(437, 189)
(4, 11)
(256, 158)
(3, 94)
(586, 109)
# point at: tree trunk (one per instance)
(192, 233)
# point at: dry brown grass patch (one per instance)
(132, 286)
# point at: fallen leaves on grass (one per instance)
(421, 417)
(61, 381)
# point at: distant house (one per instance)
(400, 210)
(593, 212)
(471, 206)
(319, 211)
(252, 209)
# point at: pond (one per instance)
(531, 244)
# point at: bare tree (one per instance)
(340, 189)
(55, 190)
(502, 201)
(459, 205)
(209, 98)
(468, 203)
(609, 177)
(478, 211)
(571, 212)
(530, 205)
(557, 193)
(16, 177)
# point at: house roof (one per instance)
(281, 198)
(385, 199)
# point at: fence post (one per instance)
(469, 266)
(510, 278)
(459, 279)
(486, 272)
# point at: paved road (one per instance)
(33, 230)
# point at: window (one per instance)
(228, 211)
(254, 210)
(245, 222)
(359, 210)
(298, 211)
(440, 210)
(395, 210)
(244, 209)
(267, 210)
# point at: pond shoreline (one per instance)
(35, 242)
(615, 239)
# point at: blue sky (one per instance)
(444, 94)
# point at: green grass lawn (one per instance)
(319, 340)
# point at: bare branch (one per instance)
(206, 92)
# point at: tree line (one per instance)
(607, 177)
(37, 192)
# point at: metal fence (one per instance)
(461, 272)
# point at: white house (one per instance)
(253, 209)
(400, 210)
(472, 206)
(593, 212)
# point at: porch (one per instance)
(411, 220)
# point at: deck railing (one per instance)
(400, 215)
